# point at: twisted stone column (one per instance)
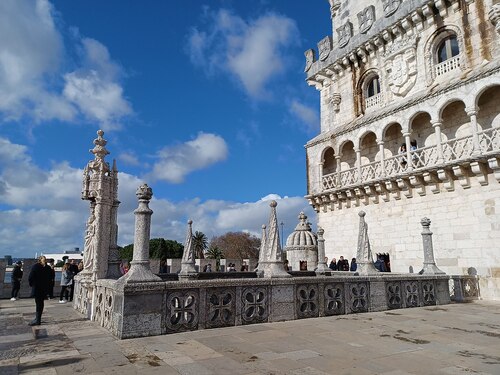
(430, 267)
(140, 270)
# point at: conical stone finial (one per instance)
(364, 257)
(188, 269)
(272, 261)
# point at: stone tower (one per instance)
(410, 127)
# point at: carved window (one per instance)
(447, 49)
(372, 92)
(373, 87)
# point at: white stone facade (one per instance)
(395, 72)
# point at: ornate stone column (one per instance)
(494, 15)
(408, 152)
(436, 124)
(188, 269)
(364, 257)
(140, 270)
(430, 267)
(358, 163)
(382, 157)
(322, 266)
(337, 159)
(271, 264)
(114, 256)
(472, 113)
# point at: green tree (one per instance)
(200, 244)
(159, 248)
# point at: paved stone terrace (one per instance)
(450, 339)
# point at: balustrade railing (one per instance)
(373, 101)
(447, 66)
(422, 158)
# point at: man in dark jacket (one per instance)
(39, 280)
(17, 275)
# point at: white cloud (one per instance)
(306, 115)
(33, 82)
(252, 51)
(129, 158)
(50, 216)
(94, 88)
(175, 162)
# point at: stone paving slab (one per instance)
(451, 339)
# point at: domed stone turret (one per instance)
(302, 246)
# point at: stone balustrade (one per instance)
(454, 151)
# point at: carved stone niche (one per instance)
(401, 66)
(310, 59)
(324, 47)
(345, 33)
(390, 7)
(366, 19)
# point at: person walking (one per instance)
(66, 280)
(39, 280)
(16, 276)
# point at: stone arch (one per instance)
(347, 155)
(487, 101)
(328, 161)
(455, 122)
(421, 129)
(393, 138)
(368, 146)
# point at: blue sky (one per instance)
(203, 100)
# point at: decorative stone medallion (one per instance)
(310, 59)
(255, 305)
(390, 7)
(182, 311)
(324, 48)
(345, 33)
(358, 297)
(411, 294)
(428, 293)
(334, 299)
(366, 19)
(307, 301)
(221, 308)
(393, 293)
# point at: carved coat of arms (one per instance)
(366, 19)
(390, 6)
(310, 58)
(401, 67)
(324, 47)
(345, 33)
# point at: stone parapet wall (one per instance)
(157, 308)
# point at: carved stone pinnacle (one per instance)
(144, 192)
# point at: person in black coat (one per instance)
(17, 275)
(39, 280)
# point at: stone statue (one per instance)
(89, 248)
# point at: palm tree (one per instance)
(215, 253)
(200, 244)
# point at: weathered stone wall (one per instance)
(465, 223)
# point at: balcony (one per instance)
(447, 66)
(455, 153)
(373, 101)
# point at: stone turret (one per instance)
(302, 246)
